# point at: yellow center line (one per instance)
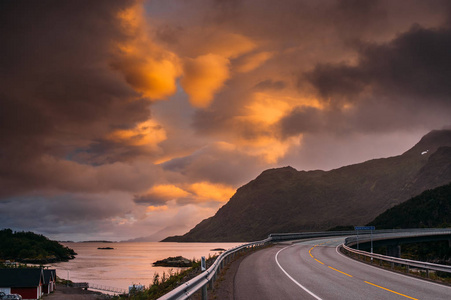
(390, 290)
(340, 271)
(310, 252)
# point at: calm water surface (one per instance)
(128, 263)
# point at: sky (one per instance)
(123, 119)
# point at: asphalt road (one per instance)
(315, 270)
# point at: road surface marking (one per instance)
(390, 290)
(288, 275)
(340, 271)
(388, 271)
(319, 261)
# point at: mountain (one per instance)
(287, 200)
(157, 236)
(432, 208)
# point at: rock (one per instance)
(178, 262)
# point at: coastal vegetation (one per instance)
(177, 261)
(28, 247)
(164, 283)
(431, 208)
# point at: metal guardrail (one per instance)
(208, 277)
(395, 260)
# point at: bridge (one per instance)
(311, 266)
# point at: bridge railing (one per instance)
(350, 241)
(380, 233)
(207, 278)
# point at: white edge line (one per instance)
(391, 272)
(288, 275)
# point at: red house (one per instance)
(26, 282)
(49, 281)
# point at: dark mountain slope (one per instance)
(287, 200)
(432, 208)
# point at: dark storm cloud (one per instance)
(77, 78)
(58, 95)
(67, 212)
(416, 64)
(151, 199)
(270, 84)
(216, 164)
(395, 85)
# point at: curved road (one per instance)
(314, 269)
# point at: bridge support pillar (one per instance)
(394, 250)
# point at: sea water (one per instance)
(127, 263)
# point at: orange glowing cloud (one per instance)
(200, 192)
(206, 191)
(262, 114)
(148, 133)
(203, 77)
(208, 66)
(266, 109)
(168, 191)
(270, 148)
(152, 208)
(148, 68)
(227, 44)
(251, 62)
(269, 108)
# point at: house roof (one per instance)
(18, 277)
(49, 275)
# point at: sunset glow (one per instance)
(121, 119)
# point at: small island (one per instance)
(28, 247)
(218, 249)
(177, 262)
(105, 248)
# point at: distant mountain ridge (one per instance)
(287, 200)
(432, 208)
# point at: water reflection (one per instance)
(127, 263)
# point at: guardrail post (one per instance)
(204, 292)
(210, 284)
(203, 267)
